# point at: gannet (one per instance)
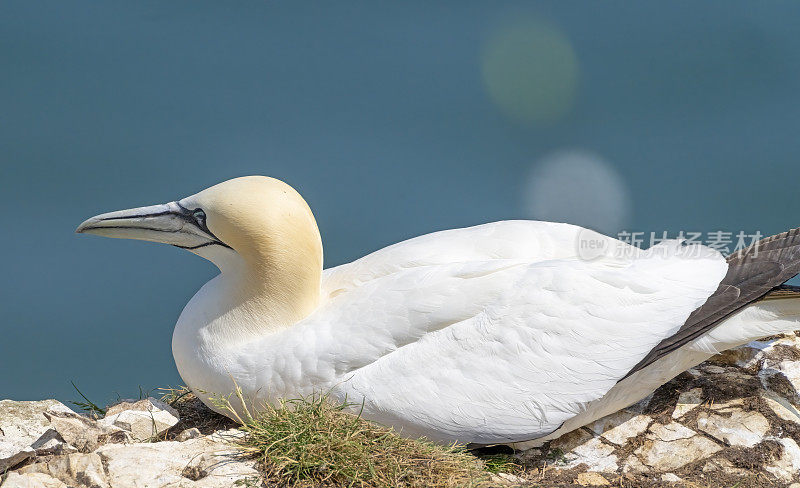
(502, 333)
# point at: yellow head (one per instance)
(256, 227)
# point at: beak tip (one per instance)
(84, 225)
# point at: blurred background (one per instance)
(393, 119)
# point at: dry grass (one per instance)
(313, 442)
(193, 413)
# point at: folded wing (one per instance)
(497, 350)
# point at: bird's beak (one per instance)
(170, 223)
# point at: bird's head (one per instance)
(255, 221)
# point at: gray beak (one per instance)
(170, 223)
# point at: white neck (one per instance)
(253, 297)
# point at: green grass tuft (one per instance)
(314, 442)
(500, 463)
(87, 405)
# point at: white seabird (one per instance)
(503, 333)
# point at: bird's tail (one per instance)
(753, 273)
(777, 312)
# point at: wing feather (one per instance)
(523, 240)
(502, 350)
(752, 273)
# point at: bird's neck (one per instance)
(269, 295)
(285, 290)
(235, 311)
(255, 295)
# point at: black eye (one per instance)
(199, 216)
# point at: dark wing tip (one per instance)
(753, 272)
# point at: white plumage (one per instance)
(499, 333)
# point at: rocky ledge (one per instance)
(732, 421)
(45, 444)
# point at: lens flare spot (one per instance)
(579, 188)
(530, 71)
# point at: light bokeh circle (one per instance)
(530, 71)
(578, 187)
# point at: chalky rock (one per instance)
(31, 480)
(73, 469)
(212, 461)
(25, 431)
(787, 466)
(13, 453)
(144, 419)
(84, 433)
(671, 446)
(207, 462)
(732, 419)
(734, 427)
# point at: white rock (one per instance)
(741, 428)
(31, 480)
(25, 430)
(671, 478)
(632, 428)
(595, 454)
(208, 461)
(83, 433)
(668, 456)
(788, 465)
(670, 446)
(581, 447)
(144, 419)
(51, 444)
(670, 432)
(143, 425)
(13, 453)
(26, 420)
(145, 405)
(230, 436)
(687, 401)
(84, 470)
(620, 426)
(633, 464)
